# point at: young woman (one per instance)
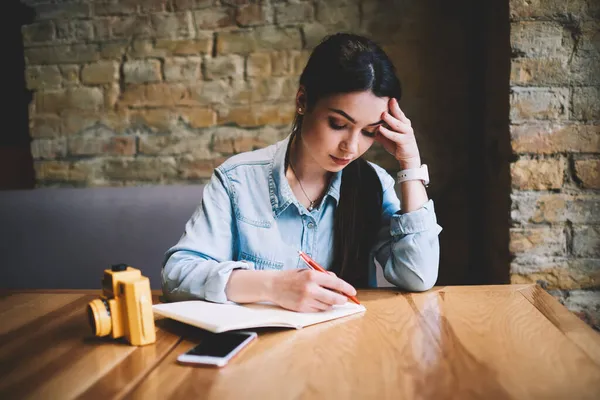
(313, 192)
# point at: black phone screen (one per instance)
(218, 345)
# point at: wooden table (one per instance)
(491, 342)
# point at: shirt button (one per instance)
(311, 225)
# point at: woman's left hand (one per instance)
(399, 140)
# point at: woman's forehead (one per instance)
(363, 107)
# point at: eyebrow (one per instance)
(352, 119)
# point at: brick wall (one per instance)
(555, 137)
(160, 92)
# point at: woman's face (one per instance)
(342, 127)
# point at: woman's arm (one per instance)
(199, 265)
(407, 247)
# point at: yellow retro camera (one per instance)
(125, 307)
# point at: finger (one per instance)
(315, 305)
(395, 124)
(331, 273)
(335, 283)
(398, 113)
(329, 297)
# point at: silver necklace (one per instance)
(312, 202)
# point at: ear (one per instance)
(301, 100)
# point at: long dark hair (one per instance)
(346, 63)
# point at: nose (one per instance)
(350, 144)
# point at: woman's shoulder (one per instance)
(253, 158)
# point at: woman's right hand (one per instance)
(306, 290)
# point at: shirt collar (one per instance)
(280, 192)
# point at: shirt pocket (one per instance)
(261, 263)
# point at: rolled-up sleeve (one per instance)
(407, 247)
(199, 265)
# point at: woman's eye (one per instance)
(369, 133)
(335, 126)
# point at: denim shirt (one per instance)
(250, 219)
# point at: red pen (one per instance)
(313, 264)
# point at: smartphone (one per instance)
(218, 348)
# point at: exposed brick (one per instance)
(586, 241)
(155, 169)
(252, 14)
(75, 121)
(177, 69)
(153, 6)
(122, 7)
(294, 13)
(300, 59)
(100, 72)
(181, 5)
(538, 241)
(43, 77)
(241, 142)
(45, 126)
(537, 174)
(173, 25)
(539, 72)
(538, 208)
(48, 148)
(282, 63)
(540, 39)
(588, 172)
(214, 18)
(195, 145)
(211, 92)
(38, 32)
(314, 33)
(559, 273)
(70, 74)
(76, 53)
(74, 30)
(258, 64)
(265, 89)
(586, 103)
(248, 116)
(156, 120)
(156, 95)
(112, 93)
(268, 38)
(138, 26)
(585, 63)
(81, 98)
(539, 103)
(547, 138)
(61, 10)
(553, 9)
(113, 50)
(192, 168)
(52, 170)
(224, 66)
(197, 117)
(90, 145)
(141, 71)
(340, 16)
(172, 47)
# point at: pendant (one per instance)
(311, 206)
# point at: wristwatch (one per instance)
(414, 174)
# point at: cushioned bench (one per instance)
(65, 238)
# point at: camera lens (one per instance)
(119, 267)
(98, 312)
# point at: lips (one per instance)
(340, 161)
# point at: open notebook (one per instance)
(215, 317)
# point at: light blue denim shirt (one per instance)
(250, 219)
